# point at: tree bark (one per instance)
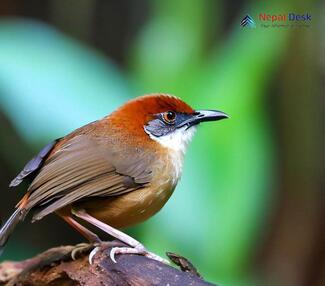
(56, 267)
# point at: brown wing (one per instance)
(82, 168)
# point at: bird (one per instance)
(112, 173)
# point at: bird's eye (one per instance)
(169, 117)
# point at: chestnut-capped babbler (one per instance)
(114, 172)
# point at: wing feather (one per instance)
(84, 167)
(34, 164)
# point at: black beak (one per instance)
(203, 115)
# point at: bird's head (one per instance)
(162, 118)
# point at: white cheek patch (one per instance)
(177, 140)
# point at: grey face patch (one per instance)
(158, 127)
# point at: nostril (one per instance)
(200, 115)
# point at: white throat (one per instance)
(177, 142)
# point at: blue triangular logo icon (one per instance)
(248, 22)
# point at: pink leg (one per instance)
(136, 246)
(92, 237)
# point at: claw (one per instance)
(73, 254)
(126, 250)
(92, 254)
(112, 254)
(79, 249)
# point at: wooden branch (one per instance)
(56, 267)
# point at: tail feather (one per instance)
(10, 225)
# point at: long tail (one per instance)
(9, 226)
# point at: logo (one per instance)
(285, 17)
(247, 21)
(281, 20)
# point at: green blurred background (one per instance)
(249, 209)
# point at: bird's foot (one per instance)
(102, 246)
(139, 250)
(92, 248)
(80, 249)
(135, 247)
